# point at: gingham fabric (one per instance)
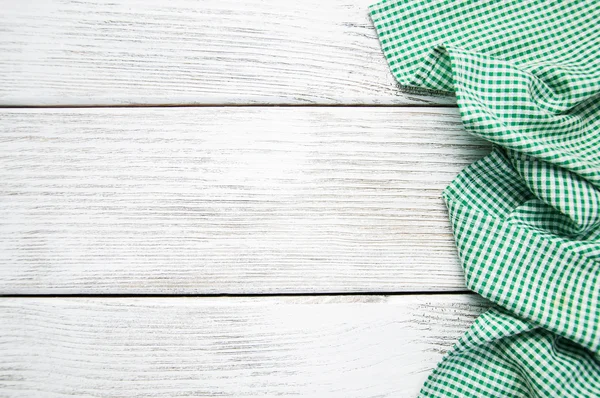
(526, 218)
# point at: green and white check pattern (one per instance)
(526, 218)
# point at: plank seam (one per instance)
(217, 295)
(217, 105)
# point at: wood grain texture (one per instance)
(70, 52)
(352, 346)
(229, 200)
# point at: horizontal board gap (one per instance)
(217, 295)
(216, 105)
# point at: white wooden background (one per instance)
(157, 156)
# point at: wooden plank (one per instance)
(229, 200)
(352, 346)
(65, 52)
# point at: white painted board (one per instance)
(353, 346)
(229, 200)
(103, 52)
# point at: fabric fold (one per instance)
(526, 218)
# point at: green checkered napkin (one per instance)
(526, 218)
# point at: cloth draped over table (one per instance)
(526, 218)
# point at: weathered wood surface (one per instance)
(353, 346)
(70, 52)
(229, 200)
